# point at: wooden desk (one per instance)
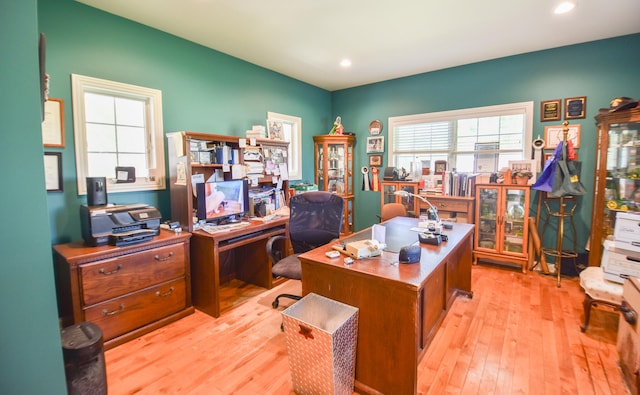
(401, 305)
(220, 257)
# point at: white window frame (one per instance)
(155, 134)
(294, 161)
(525, 108)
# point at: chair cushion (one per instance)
(595, 285)
(288, 267)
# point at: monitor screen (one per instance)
(219, 201)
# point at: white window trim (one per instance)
(477, 112)
(153, 97)
(295, 145)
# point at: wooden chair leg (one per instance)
(587, 303)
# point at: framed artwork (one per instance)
(525, 165)
(553, 135)
(375, 127)
(375, 144)
(53, 171)
(575, 107)
(440, 166)
(53, 124)
(375, 160)
(550, 110)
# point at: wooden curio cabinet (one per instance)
(334, 171)
(411, 203)
(616, 184)
(501, 232)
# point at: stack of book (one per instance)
(256, 132)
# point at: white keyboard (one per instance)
(211, 229)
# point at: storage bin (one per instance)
(83, 352)
(321, 336)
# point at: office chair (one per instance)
(315, 219)
(391, 210)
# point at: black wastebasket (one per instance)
(82, 348)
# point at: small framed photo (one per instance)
(53, 171)
(53, 124)
(550, 110)
(440, 166)
(575, 107)
(375, 144)
(375, 160)
(554, 134)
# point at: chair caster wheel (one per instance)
(275, 304)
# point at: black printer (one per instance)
(119, 224)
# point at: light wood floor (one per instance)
(520, 334)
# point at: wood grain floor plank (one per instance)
(519, 334)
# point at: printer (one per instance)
(119, 225)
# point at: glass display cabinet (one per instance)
(616, 184)
(502, 233)
(334, 171)
(411, 203)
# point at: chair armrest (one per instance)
(276, 248)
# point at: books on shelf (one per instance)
(450, 184)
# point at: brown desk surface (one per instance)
(401, 306)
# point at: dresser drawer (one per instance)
(121, 315)
(109, 278)
(449, 205)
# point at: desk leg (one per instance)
(205, 275)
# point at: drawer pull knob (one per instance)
(114, 312)
(169, 292)
(106, 273)
(166, 258)
(628, 313)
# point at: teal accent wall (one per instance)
(202, 90)
(30, 351)
(599, 70)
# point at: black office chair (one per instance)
(315, 219)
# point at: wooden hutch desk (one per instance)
(401, 305)
(240, 253)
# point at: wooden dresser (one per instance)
(127, 291)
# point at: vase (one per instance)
(521, 180)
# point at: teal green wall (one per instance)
(202, 90)
(599, 70)
(30, 352)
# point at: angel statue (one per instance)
(337, 126)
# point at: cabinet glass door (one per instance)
(335, 170)
(388, 193)
(514, 223)
(349, 175)
(320, 167)
(488, 215)
(622, 192)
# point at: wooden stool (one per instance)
(598, 290)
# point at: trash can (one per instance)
(83, 352)
(321, 336)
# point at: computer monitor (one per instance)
(222, 201)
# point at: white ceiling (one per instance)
(306, 39)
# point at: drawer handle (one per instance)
(114, 312)
(102, 271)
(628, 313)
(169, 292)
(166, 258)
(443, 204)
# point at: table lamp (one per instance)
(433, 222)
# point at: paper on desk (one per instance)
(378, 232)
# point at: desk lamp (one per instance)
(433, 222)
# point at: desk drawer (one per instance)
(449, 205)
(109, 278)
(121, 315)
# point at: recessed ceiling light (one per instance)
(564, 7)
(345, 63)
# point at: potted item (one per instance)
(521, 177)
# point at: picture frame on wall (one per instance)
(554, 134)
(53, 124)
(575, 107)
(550, 110)
(53, 171)
(375, 144)
(375, 160)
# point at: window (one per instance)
(475, 140)
(292, 131)
(117, 124)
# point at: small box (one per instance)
(617, 264)
(627, 231)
